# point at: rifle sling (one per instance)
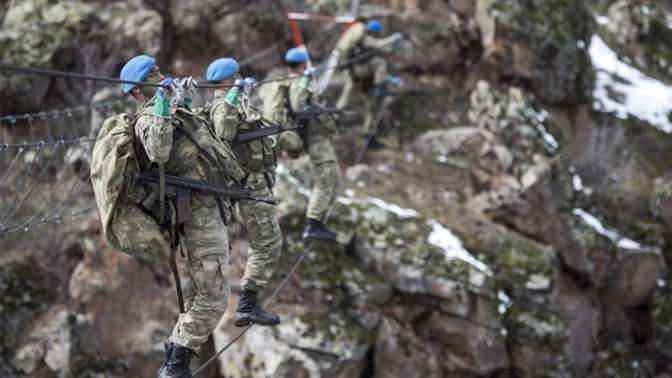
(176, 276)
(162, 192)
(200, 149)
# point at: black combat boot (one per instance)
(176, 363)
(249, 312)
(316, 230)
(373, 144)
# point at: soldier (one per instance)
(359, 48)
(229, 114)
(171, 135)
(295, 95)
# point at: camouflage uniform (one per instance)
(260, 218)
(205, 236)
(296, 95)
(354, 42)
(111, 96)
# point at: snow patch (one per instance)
(399, 211)
(283, 171)
(539, 119)
(577, 183)
(621, 241)
(395, 209)
(551, 144)
(602, 20)
(451, 245)
(538, 282)
(504, 302)
(642, 96)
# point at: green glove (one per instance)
(233, 97)
(162, 107)
(305, 82)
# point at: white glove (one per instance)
(177, 92)
(310, 71)
(189, 86)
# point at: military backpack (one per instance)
(114, 161)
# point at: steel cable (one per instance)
(275, 293)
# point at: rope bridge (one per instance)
(44, 165)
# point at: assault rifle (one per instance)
(183, 188)
(274, 129)
(255, 134)
(314, 112)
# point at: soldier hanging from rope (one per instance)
(281, 104)
(230, 113)
(360, 49)
(172, 136)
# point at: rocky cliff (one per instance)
(518, 226)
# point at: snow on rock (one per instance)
(399, 211)
(643, 97)
(395, 209)
(621, 241)
(577, 182)
(282, 171)
(504, 302)
(451, 245)
(539, 119)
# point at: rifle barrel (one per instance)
(200, 187)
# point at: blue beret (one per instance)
(136, 69)
(221, 69)
(297, 55)
(374, 26)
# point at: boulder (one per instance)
(546, 53)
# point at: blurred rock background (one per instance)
(519, 226)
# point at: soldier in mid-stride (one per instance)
(284, 100)
(230, 114)
(360, 49)
(171, 135)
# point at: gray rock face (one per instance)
(519, 233)
(72, 36)
(642, 34)
(545, 53)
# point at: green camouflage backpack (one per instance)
(256, 156)
(125, 226)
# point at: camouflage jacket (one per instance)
(256, 156)
(168, 141)
(296, 95)
(356, 36)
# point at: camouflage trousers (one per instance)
(326, 179)
(207, 244)
(377, 67)
(372, 106)
(264, 234)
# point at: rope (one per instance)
(26, 145)
(284, 282)
(74, 75)
(67, 112)
(43, 181)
